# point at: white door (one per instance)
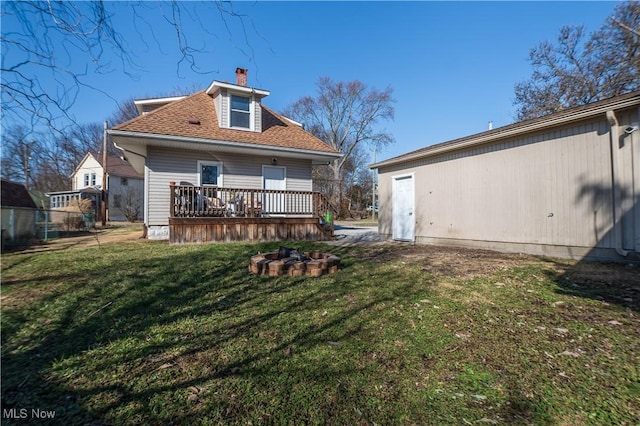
(403, 205)
(274, 179)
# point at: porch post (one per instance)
(172, 199)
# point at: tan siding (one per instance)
(550, 188)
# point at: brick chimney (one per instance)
(241, 76)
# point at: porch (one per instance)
(200, 214)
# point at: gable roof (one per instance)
(174, 120)
(556, 119)
(118, 167)
(115, 165)
(15, 195)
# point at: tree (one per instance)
(45, 161)
(17, 148)
(130, 201)
(50, 49)
(581, 69)
(345, 115)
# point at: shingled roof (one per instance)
(15, 195)
(195, 117)
(118, 167)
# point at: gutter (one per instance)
(614, 137)
(213, 142)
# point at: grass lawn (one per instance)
(147, 333)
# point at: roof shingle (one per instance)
(175, 119)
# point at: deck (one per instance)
(201, 214)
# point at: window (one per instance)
(93, 179)
(117, 201)
(210, 173)
(124, 181)
(86, 179)
(240, 112)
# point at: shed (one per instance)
(18, 212)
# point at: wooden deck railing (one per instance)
(208, 201)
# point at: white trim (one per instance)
(218, 164)
(293, 121)
(140, 103)
(251, 112)
(217, 85)
(157, 100)
(146, 194)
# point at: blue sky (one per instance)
(452, 65)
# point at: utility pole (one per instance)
(25, 163)
(103, 205)
(373, 189)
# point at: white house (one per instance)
(125, 187)
(567, 185)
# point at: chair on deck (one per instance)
(215, 207)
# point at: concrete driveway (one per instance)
(347, 233)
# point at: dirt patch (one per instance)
(617, 283)
(96, 237)
(449, 261)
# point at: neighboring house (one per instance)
(125, 187)
(218, 164)
(567, 185)
(18, 212)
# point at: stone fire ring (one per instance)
(318, 264)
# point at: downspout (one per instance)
(614, 136)
(124, 152)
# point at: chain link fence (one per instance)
(21, 226)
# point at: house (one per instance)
(565, 185)
(125, 187)
(18, 212)
(219, 165)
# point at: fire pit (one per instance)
(290, 262)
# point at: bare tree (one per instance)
(129, 201)
(346, 116)
(579, 68)
(127, 109)
(45, 161)
(17, 149)
(51, 48)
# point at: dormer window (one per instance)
(237, 106)
(240, 112)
